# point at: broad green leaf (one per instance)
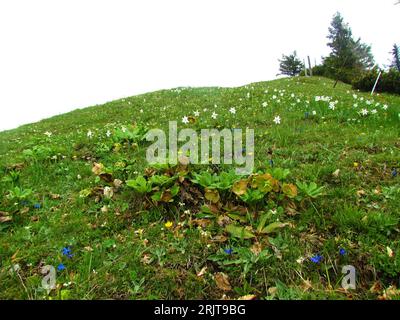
(239, 232)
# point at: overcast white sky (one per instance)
(59, 55)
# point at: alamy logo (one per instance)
(196, 149)
(49, 279)
(349, 278)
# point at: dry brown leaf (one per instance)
(25, 210)
(98, 168)
(361, 193)
(219, 239)
(4, 217)
(223, 221)
(256, 248)
(222, 281)
(146, 259)
(202, 272)
(389, 293)
(117, 183)
(248, 297)
(336, 173)
(376, 288)
(201, 222)
(272, 291)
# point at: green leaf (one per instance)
(263, 221)
(239, 232)
(273, 227)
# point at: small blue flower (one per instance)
(37, 206)
(394, 173)
(60, 267)
(24, 203)
(306, 114)
(342, 252)
(228, 251)
(67, 252)
(316, 259)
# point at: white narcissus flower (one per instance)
(185, 120)
(277, 120)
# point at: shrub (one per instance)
(389, 81)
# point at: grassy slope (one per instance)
(109, 247)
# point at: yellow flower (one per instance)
(355, 164)
(168, 225)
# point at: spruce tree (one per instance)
(396, 58)
(349, 57)
(290, 65)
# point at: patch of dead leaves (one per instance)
(222, 281)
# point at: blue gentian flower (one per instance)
(306, 115)
(228, 251)
(316, 259)
(37, 206)
(394, 173)
(60, 267)
(342, 252)
(67, 252)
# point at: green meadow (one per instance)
(77, 193)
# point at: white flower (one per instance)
(214, 115)
(232, 110)
(385, 107)
(185, 120)
(364, 112)
(274, 97)
(141, 110)
(48, 134)
(314, 113)
(196, 113)
(123, 129)
(108, 133)
(277, 120)
(265, 104)
(374, 111)
(332, 106)
(90, 134)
